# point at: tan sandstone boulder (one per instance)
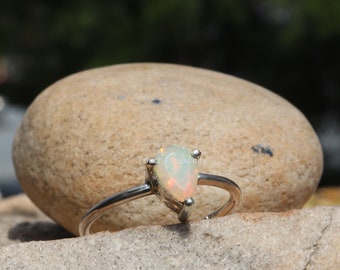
(87, 136)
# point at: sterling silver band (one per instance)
(151, 187)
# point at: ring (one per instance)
(172, 175)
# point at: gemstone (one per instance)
(177, 171)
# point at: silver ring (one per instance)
(172, 175)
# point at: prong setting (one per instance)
(152, 161)
(151, 178)
(184, 214)
(196, 153)
(189, 202)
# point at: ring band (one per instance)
(155, 186)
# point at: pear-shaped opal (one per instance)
(177, 171)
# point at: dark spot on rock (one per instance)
(121, 97)
(261, 149)
(156, 101)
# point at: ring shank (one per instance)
(223, 183)
(137, 192)
(107, 204)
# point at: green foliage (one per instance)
(286, 45)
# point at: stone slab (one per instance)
(297, 239)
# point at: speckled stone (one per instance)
(298, 239)
(87, 136)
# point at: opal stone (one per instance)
(177, 171)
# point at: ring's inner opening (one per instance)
(143, 211)
(151, 210)
(207, 200)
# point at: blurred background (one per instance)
(290, 47)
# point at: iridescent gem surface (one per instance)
(177, 171)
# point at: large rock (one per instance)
(86, 137)
(299, 239)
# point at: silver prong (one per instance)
(195, 153)
(152, 161)
(189, 202)
(183, 216)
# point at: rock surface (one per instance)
(22, 221)
(325, 196)
(298, 239)
(86, 137)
